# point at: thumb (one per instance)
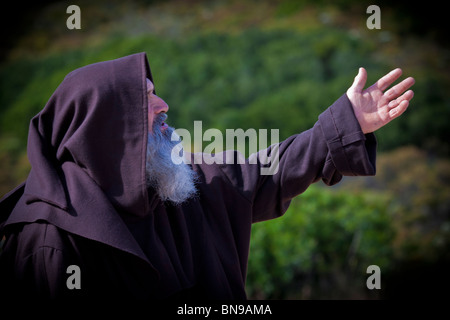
(360, 80)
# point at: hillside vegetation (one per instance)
(273, 64)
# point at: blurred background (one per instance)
(273, 64)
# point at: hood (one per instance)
(96, 121)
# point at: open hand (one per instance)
(372, 107)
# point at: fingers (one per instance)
(388, 79)
(397, 111)
(399, 105)
(398, 89)
(360, 80)
(408, 95)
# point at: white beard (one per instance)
(172, 182)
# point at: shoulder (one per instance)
(32, 257)
(27, 239)
(228, 171)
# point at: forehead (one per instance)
(150, 86)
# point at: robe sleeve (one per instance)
(335, 146)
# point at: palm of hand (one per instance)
(373, 108)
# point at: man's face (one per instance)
(172, 182)
(156, 106)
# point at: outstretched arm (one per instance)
(373, 108)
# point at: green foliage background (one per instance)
(274, 64)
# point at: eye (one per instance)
(150, 87)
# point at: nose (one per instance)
(157, 105)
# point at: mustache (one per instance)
(159, 119)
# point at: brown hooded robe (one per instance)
(85, 201)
